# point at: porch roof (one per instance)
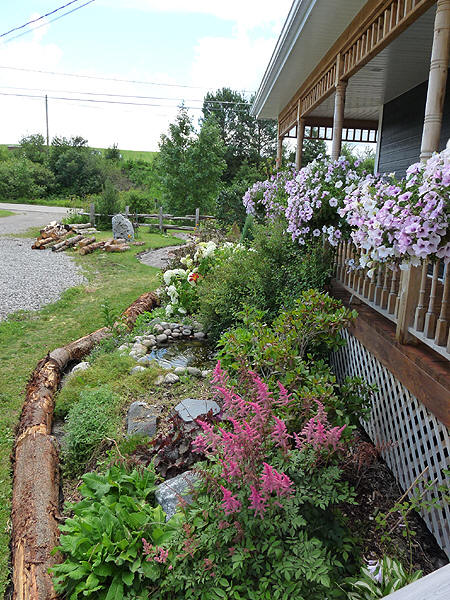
(311, 29)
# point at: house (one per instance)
(376, 71)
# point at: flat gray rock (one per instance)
(141, 420)
(194, 371)
(199, 335)
(137, 369)
(169, 493)
(171, 378)
(161, 338)
(191, 408)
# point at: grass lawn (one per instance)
(6, 213)
(26, 337)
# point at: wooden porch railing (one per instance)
(375, 27)
(417, 300)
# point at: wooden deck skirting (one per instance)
(35, 498)
(422, 371)
(377, 24)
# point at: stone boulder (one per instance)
(122, 228)
(169, 493)
(191, 408)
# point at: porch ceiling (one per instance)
(311, 28)
(398, 68)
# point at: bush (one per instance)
(269, 278)
(102, 542)
(89, 421)
(108, 203)
(139, 202)
(21, 178)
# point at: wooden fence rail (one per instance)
(161, 216)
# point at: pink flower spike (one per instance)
(230, 503)
(285, 397)
(280, 434)
(257, 502)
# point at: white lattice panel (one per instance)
(419, 439)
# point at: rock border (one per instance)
(35, 495)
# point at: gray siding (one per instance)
(401, 133)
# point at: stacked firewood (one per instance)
(79, 236)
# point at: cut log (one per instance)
(35, 501)
(86, 242)
(80, 225)
(67, 243)
(116, 247)
(91, 248)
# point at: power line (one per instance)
(39, 18)
(137, 81)
(51, 21)
(221, 102)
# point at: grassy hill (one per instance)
(127, 154)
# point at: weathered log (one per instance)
(91, 248)
(67, 243)
(35, 501)
(116, 247)
(81, 225)
(86, 242)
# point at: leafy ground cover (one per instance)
(5, 213)
(26, 337)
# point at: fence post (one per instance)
(161, 228)
(197, 217)
(127, 211)
(92, 213)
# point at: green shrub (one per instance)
(268, 278)
(108, 203)
(89, 421)
(21, 178)
(139, 202)
(102, 542)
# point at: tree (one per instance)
(76, 167)
(33, 148)
(190, 166)
(312, 149)
(113, 153)
(245, 138)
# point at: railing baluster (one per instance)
(378, 287)
(385, 290)
(419, 319)
(430, 317)
(372, 286)
(442, 324)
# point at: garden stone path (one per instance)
(29, 279)
(160, 257)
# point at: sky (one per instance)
(180, 48)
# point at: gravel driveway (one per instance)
(29, 279)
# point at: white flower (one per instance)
(169, 310)
(182, 310)
(338, 184)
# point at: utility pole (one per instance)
(46, 119)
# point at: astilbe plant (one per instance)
(264, 522)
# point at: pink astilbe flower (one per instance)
(318, 435)
(230, 503)
(280, 435)
(257, 502)
(273, 481)
(285, 397)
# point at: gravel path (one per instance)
(29, 279)
(160, 257)
(27, 216)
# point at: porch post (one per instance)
(338, 119)
(437, 81)
(300, 137)
(279, 150)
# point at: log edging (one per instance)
(35, 496)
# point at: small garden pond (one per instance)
(183, 354)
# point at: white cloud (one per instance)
(237, 61)
(246, 13)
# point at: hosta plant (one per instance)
(380, 579)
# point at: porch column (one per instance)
(279, 151)
(300, 138)
(338, 119)
(437, 81)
